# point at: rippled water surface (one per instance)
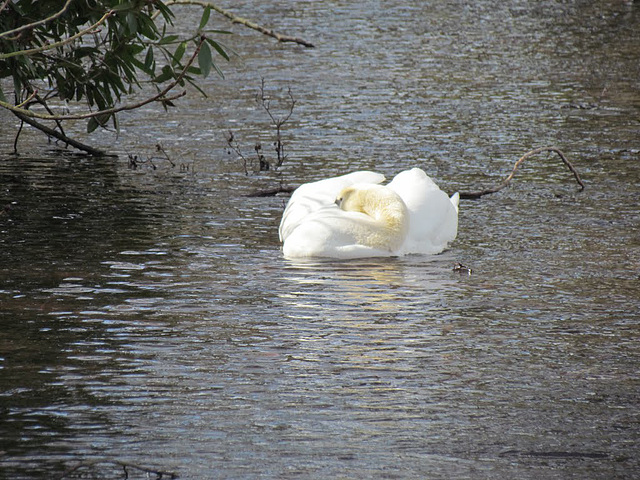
(148, 317)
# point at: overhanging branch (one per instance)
(243, 21)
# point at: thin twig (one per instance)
(15, 140)
(233, 145)
(243, 21)
(124, 465)
(535, 151)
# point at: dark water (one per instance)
(148, 317)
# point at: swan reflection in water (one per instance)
(388, 289)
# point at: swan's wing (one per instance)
(333, 233)
(311, 197)
(433, 221)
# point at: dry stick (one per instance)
(535, 151)
(277, 122)
(271, 192)
(243, 21)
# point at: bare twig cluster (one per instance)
(136, 161)
(278, 122)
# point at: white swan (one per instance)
(353, 216)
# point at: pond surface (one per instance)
(148, 316)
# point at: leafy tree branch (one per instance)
(34, 24)
(243, 21)
(52, 46)
(96, 52)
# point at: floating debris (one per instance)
(462, 269)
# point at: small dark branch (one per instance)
(60, 136)
(135, 162)
(271, 192)
(160, 148)
(535, 151)
(15, 140)
(263, 164)
(234, 147)
(43, 102)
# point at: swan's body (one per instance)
(353, 216)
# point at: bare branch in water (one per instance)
(535, 151)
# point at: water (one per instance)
(148, 316)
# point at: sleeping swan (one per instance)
(354, 216)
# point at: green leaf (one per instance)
(132, 23)
(168, 39)
(166, 12)
(179, 53)
(116, 124)
(218, 48)
(204, 59)
(167, 74)
(205, 17)
(124, 6)
(92, 124)
(222, 32)
(149, 61)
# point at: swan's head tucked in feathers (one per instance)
(383, 206)
(377, 201)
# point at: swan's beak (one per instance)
(338, 202)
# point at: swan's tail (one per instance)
(455, 199)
